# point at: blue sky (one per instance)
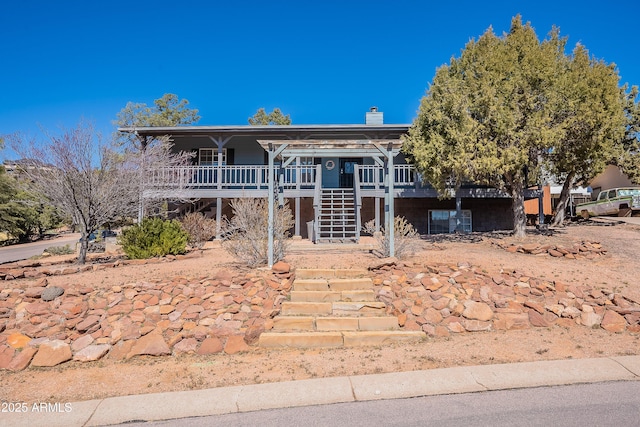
(323, 62)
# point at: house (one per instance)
(335, 177)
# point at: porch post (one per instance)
(377, 212)
(270, 207)
(218, 218)
(271, 202)
(391, 224)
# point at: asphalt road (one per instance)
(599, 404)
(27, 250)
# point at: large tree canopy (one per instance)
(590, 115)
(166, 111)
(275, 117)
(148, 152)
(491, 115)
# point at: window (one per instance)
(442, 221)
(209, 156)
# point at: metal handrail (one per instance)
(357, 200)
(317, 201)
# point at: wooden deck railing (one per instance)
(255, 177)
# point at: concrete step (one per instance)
(336, 339)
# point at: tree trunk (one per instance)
(84, 247)
(561, 208)
(517, 206)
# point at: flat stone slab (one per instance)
(378, 323)
(365, 338)
(310, 285)
(350, 284)
(290, 307)
(315, 296)
(337, 324)
(358, 308)
(366, 295)
(293, 323)
(301, 339)
(315, 273)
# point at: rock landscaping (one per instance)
(43, 325)
(584, 249)
(447, 299)
(205, 315)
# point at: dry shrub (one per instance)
(246, 234)
(199, 228)
(406, 241)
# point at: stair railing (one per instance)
(357, 200)
(317, 204)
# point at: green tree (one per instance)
(167, 111)
(149, 152)
(488, 116)
(12, 213)
(275, 117)
(628, 158)
(591, 118)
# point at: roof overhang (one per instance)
(266, 130)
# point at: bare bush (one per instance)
(406, 241)
(247, 234)
(199, 228)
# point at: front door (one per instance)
(346, 171)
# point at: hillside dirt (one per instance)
(618, 271)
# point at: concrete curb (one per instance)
(467, 379)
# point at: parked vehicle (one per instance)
(623, 201)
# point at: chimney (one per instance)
(373, 117)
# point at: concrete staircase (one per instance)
(334, 308)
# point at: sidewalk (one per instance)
(468, 379)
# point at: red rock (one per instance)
(18, 340)
(81, 343)
(34, 292)
(91, 352)
(88, 323)
(281, 267)
(253, 334)
(6, 355)
(509, 321)
(613, 322)
(187, 345)
(152, 344)
(535, 305)
(120, 350)
(538, 320)
(471, 325)
(52, 353)
(477, 311)
(235, 344)
(210, 346)
(38, 308)
(22, 359)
